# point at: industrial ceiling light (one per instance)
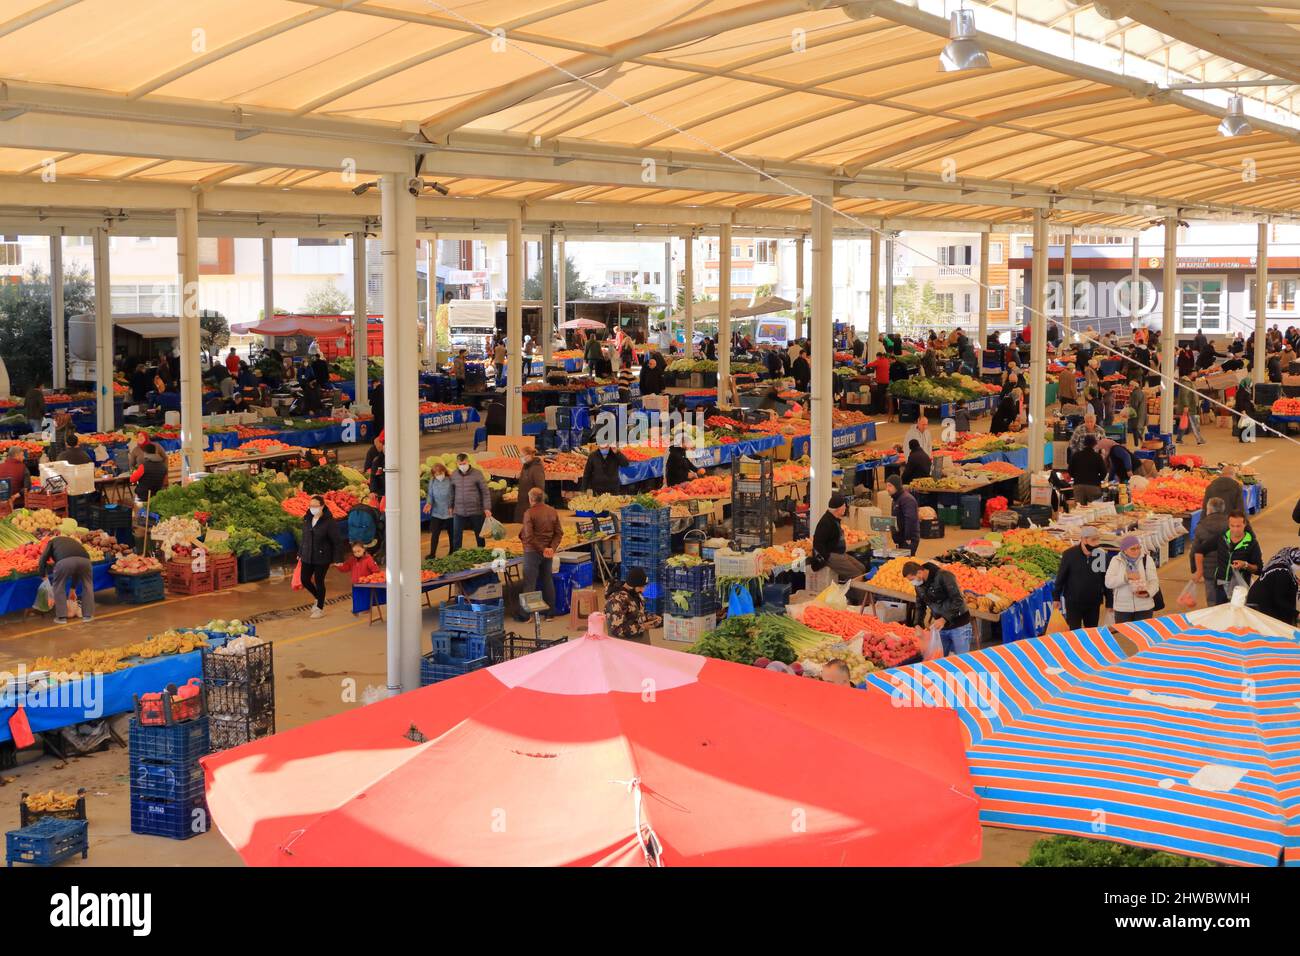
(362, 188)
(963, 51)
(1234, 121)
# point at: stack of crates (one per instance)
(753, 503)
(241, 694)
(699, 585)
(646, 543)
(575, 572)
(167, 797)
(461, 641)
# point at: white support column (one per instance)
(360, 325)
(1067, 288)
(668, 289)
(873, 307)
(1038, 344)
(58, 321)
(1167, 376)
(514, 326)
(982, 334)
(268, 277)
(889, 285)
(823, 355)
(430, 357)
(800, 296)
(402, 434)
(187, 255)
(688, 297)
(546, 322)
(1261, 304)
(103, 331)
(1135, 282)
(724, 314)
(561, 285)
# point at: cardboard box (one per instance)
(891, 611)
(885, 502)
(1060, 452)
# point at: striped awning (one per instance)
(1191, 744)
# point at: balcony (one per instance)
(963, 272)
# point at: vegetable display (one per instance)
(461, 560)
(745, 638)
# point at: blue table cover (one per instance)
(714, 455)
(18, 594)
(845, 437)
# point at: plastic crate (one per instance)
(435, 668)
(47, 842)
(166, 779)
(702, 577)
(179, 743)
(181, 578)
(139, 588)
(506, 647)
(688, 630)
(254, 665)
(240, 698)
(109, 517)
(253, 567)
(177, 819)
(776, 593)
(225, 571)
(58, 503)
(217, 639)
(231, 730)
(458, 645)
(634, 517)
(27, 816)
(165, 708)
(462, 615)
(931, 527)
(733, 564)
(697, 602)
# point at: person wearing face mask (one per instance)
(600, 477)
(322, 545)
(531, 475)
(470, 502)
(438, 495)
(1080, 589)
(373, 468)
(1132, 578)
(938, 592)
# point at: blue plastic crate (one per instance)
(180, 743)
(699, 578)
(139, 588)
(253, 567)
(177, 819)
(581, 573)
(480, 619)
(634, 517)
(171, 780)
(776, 593)
(219, 639)
(435, 668)
(49, 841)
(458, 645)
(698, 603)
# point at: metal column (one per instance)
(1135, 283)
(360, 324)
(402, 433)
(561, 285)
(668, 289)
(724, 314)
(1167, 377)
(58, 321)
(103, 331)
(546, 321)
(688, 294)
(801, 297)
(514, 326)
(873, 307)
(889, 285)
(823, 355)
(1067, 288)
(187, 255)
(1261, 304)
(1038, 345)
(982, 333)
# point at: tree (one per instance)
(327, 299)
(214, 331)
(25, 333)
(681, 298)
(574, 287)
(917, 306)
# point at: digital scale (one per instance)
(532, 602)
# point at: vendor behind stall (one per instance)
(601, 474)
(829, 548)
(150, 476)
(678, 468)
(13, 471)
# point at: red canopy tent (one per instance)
(333, 333)
(603, 752)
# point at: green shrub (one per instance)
(1078, 851)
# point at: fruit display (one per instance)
(1287, 406)
(265, 446)
(713, 486)
(1024, 537)
(111, 659)
(1180, 493)
(559, 466)
(432, 408)
(34, 522)
(133, 564)
(598, 504)
(641, 453)
(51, 801)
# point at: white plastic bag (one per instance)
(1187, 598)
(492, 528)
(44, 597)
(833, 597)
(933, 645)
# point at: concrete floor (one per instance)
(317, 660)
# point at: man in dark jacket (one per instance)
(1203, 549)
(938, 592)
(829, 549)
(34, 406)
(801, 372)
(1238, 554)
(1087, 471)
(907, 525)
(1080, 589)
(601, 474)
(918, 463)
(1227, 488)
(64, 560)
(532, 474)
(652, 374)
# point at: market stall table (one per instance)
(845, 437)
(371, 598)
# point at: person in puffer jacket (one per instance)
(471, 501)
(937, 591)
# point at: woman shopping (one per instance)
(322, 545)
(1132, 580)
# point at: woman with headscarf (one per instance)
(1008, 412)
(1274, 591)
(678, 468)
(1244, 404)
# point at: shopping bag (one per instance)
(296, 583)
(1187, 598)
(740, 602)
(73, 606)
(833, 597)
(1237, 582)
(1184, 422)
(1057, 623)
(492, 528)
(44, 596)
(933, 645)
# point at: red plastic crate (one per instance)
(181, 578)
(225, 571)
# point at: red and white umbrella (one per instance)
(604, 752)
(583, 324)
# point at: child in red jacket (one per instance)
(359, 563)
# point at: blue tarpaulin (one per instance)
(18, 594)
(445, 419)
(845, 437)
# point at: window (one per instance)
(742, 276)
(1281, 296)
(658, 278)
(1020, 297)
(11, 254)
(621, 277)
(997, 300)
(735, 252)
(765, 251)
(954, 255)
(995, 253)
(145, 299)
(944, 301)
(966, 302)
